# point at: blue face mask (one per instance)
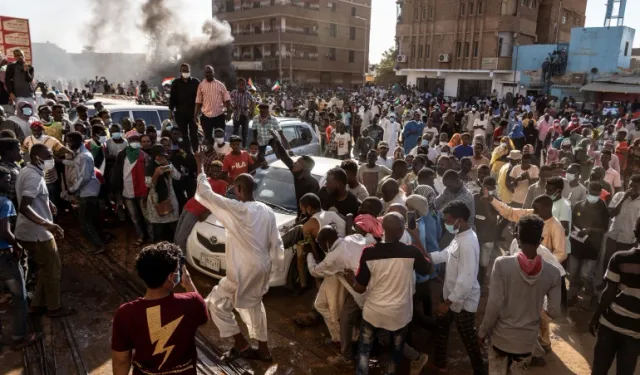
(592, 198)
(116, 135)
(451, 228)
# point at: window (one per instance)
(332, 54)
(475, 49)
(471, 8)
(305, 135)
(116, 117)
(479, 7)
(564, 18)
(333, 30)
(459, 49)
(352, 33)
(352, 56)
(424, 14)
(413, 50)
(466, 49)
(333, 6)
(149, 117)
(505, 44)
(428, 52)
(463, 11)
(353, 11)
(430, 9)
(416, 14)
(626, 49)
(420, 52)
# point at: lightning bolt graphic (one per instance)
(160, 334)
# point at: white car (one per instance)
(274, 187)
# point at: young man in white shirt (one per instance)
(611, 176)
(221, 147)
(522, 176)
(461, 292)
(343, 142)
(480, 126)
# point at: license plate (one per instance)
(212, 263)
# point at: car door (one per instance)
(310, 144)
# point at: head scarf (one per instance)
(498, 152)
(455, 140)
(552, 155)
(369, 224)
(418, 203)
(516, 131)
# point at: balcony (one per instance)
(287, 8)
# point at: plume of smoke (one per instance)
(110, 25)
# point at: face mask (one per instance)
(451, 228)
(103, 139)
(107, 122)
(424, 143)
(134, 145)
(116, 135)
(186, 75)
(592, 198)
(27, 111)
(169, 127)
(570, 176)
(554, 196)
(219, 141)
(48, 165)
(254, 155)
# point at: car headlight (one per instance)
(213, 240)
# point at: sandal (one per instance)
(233, 354)
(27, 341)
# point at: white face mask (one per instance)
(186, 75)
(219, 141)
(103, 139)
(48, 165)
(134, 145)
(254, 155)
(570, 176)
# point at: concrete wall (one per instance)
(451, 80)
(601, 48)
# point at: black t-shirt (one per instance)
(302, 185)
(589, 215)
(486, 219)
(350, 205)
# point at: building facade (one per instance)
(466, 47)
(313, 42)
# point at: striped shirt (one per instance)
(212, 95)
(241, 102)
(623, 315)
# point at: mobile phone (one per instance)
(411, 220)
(181, 263)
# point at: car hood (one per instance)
(284, 221)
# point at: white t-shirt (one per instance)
(434, 134)
(520, 192)
(342, 140)
(562, 211)
(225, 149)
(360, 192)
(325, 218)
(479, 122)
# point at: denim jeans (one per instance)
(88, 214)
(12, 277)
(581, 274)
(135, 208)
(613, 345)
(367, 337)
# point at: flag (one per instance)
(167, 81)
(397, 101)
(276, 87)
(251, 86)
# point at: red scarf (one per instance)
(530, 266)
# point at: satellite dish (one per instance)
(594, 70)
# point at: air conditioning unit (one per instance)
(443, 57)
(401, 58)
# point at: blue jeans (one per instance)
(367, 337)
(12, 277)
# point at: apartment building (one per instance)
(319, 42)
(465, 47)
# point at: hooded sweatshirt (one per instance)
(512, 317)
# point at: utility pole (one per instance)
(291, 52)
(366, 52)
(280, 51)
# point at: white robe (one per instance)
(253, 243)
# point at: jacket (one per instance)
(11, 73)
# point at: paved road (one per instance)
(80, 344)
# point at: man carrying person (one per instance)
(249, 263)
(182, 103)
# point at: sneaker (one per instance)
(339, 360)
(537, 362)
(418, 364)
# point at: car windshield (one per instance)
(275, 188)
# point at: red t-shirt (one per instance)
(166, 327)
(193, 206)
(236, 165)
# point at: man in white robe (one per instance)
(252, 242)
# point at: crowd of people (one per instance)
(399, 240)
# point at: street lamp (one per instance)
(366, 52)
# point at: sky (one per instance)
(46, 18)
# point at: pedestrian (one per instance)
(162, 206)
(577, 191)
(336, 195)
(36, 231)
(411, 131)
(363, 145)
(250, 261)
(12, 273)
(519, 284)
(521, 177)
(238, 161)
(371, 173)
(182, 104)
(454, 190)
(211, 100)
(350, 166)
(486, 222)
(243, 105)
(19, 79)
(383, 159)
(85, 188)
(263, 125)
(343, 142)
(143, 327)
(616, 321)
(386, 272)
(7, 124)
(461, 293)
(10, 159)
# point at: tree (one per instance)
(386, 69)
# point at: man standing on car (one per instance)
(18, 79)
(211, 99)
(183, 101)
(243, 105)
